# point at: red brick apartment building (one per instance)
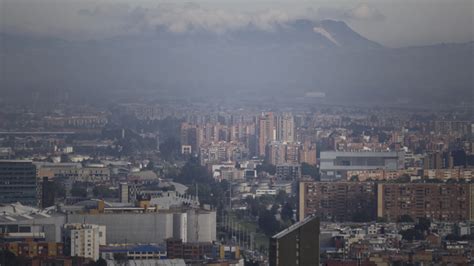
(343, 201)
(439, 202)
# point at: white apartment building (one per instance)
(84, 240)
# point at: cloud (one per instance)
(180, 18)
(365, 12)
(112, 19)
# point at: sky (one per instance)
(393, 23)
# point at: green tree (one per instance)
(101, 262)
(58, 188)
(281, 197)
(354, 178)
(192, 172)
(150, 166)
(287, 212)
(121, 258)
(8, 258)
(78, 191)
(170, 149)
(361, 216)
(405, 219)
(104, 192)
(423, 224)
(266, 167)
(405, 178)
(309, 169)
(412, 234)
(268, 223)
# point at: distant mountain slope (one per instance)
(288, 61)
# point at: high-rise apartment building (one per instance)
(296, 245)
(438, 202)
(337, 201)
(18, 182)
(308, 153)
(266, 131)
(438, 160)
(278, 152)
(285, 128)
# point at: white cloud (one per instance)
(360, 12)
(102, 19)
(181, 18)
(365, 12)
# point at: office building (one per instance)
(437, 202)
(296, 245)
(18, 182)
(335, 164)
(337, 201)
(83, 240)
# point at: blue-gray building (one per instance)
(18, 182)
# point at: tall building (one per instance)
(438, 160)
(335, 164)
(337, 201)
(83, 240)
(308, 153)
(438, 202)
(266, 131)
(190, 136)
(47, 193)
(278, 152)
(275, 153)
(124, 192)
(18, 182)
(285, 128)
(296, 245)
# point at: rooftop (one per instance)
(294, 227)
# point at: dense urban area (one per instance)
(208, 183)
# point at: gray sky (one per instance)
(393, 23)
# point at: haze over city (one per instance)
(236, 132)
(349, 50)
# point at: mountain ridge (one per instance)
(296, 58)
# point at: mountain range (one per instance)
(289, 60)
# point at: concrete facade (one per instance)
(335, 164)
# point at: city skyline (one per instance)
(236, 132)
